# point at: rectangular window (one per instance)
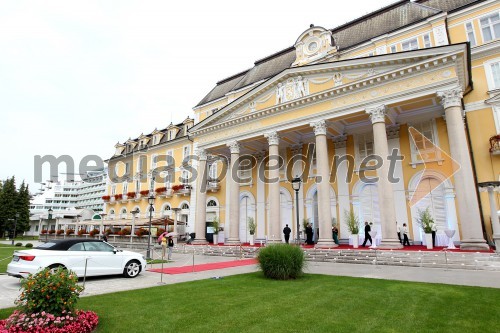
(490, 26)
(113, 190)
(423, 143)
(495, 74)
(185, 177)
(427, 41)
(137, 186)
(154, 161)
(471, 37)
(365, 146)
(393, 49)
(125, 188)
(410, 45)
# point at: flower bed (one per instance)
(43, 322)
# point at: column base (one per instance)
(198, 241)
(325, 244)
(496, 240)
(233, 241)
(390, 244)
(474, 244)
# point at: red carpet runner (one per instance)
(204, 267)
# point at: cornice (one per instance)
(486, 50)
(426, 65)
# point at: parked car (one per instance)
(100, 258)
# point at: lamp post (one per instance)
(15, 226)
(151, 201)
(49, 217)
(296, 182)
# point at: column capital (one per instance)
(202, 154)
(340, 141)
(452, 97)
(319, 127)
(377, 113)
(234, 147)
(273, 138)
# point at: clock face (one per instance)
(312, 47)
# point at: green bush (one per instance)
(19, 244)
(28, 245)
(281, 261)
(51, 290)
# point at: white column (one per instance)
(201, 198)
(494, 217)
(465, 189)
(274, 189)
(261, 200)
(174, 211)
(234, 207)
(191, 219)
(342, 169)
(385, 191)
(324, 206)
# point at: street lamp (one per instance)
(296, 182)
(151, 201)
(49, 217)
(15, 226)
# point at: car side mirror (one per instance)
(115, 250)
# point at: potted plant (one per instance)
(81, 232)
(144, 193)
(252, 228)
(106, 198)
(94, 232)
(425, 222)
(59, 232)
(70, 232)
(131, 195)
(118, 197)
(215, 226)
(352, 223)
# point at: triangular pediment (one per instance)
(300, 85)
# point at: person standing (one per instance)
(335, 234)
(309, 234)
(286, 232)
(433, 231)
(406, 241)
(367, 234)
(170, 247)
(164, 245)
(398, 228)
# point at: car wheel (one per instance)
(132, 269)
(53, 268)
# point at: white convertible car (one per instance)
(101, 257)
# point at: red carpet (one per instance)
(205, 267)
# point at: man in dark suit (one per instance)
(286, 232)
(367, 234)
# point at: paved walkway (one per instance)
(9, 286)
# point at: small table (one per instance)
(450, 233)
(374, 242)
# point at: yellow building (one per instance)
(416, 83)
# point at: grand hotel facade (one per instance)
(418, 77)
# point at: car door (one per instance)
(102, 259)
(74, 258)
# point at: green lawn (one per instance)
(6, 254)
(314, 303)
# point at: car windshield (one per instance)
(45, 246)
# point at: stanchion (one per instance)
(85, 272)
(161, 275)
(446, 258)
(193, 260)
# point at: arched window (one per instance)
(212, 203)
(111, 214)
(123, 213)
(185, 206)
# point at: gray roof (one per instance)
(382, 21)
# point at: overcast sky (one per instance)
(78, 76)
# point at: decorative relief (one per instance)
(440, 35)
(292, 89)
(392, 131)
(252, 106)
(452, 97)
(319, 127)
(202, 154)
(377, 114)
(273, 138)
(313, 44)
(337, 78)
(234, 147)
(340, 141)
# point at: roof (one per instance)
(64, 244)
(362, 29)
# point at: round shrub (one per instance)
(51, 290)
(281, 261)
(28, 245)
(19, 244)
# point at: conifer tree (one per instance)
(23, 208)
(8, 205)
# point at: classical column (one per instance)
(494, 217)
(465, 189)
(384, 187)
(340, 143)
(323, 183)
(261, 198)
(274, 188)
(234, 206)
(201, 198)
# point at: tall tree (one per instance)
(8, 201)
(23, 208)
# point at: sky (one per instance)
(76, 77)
